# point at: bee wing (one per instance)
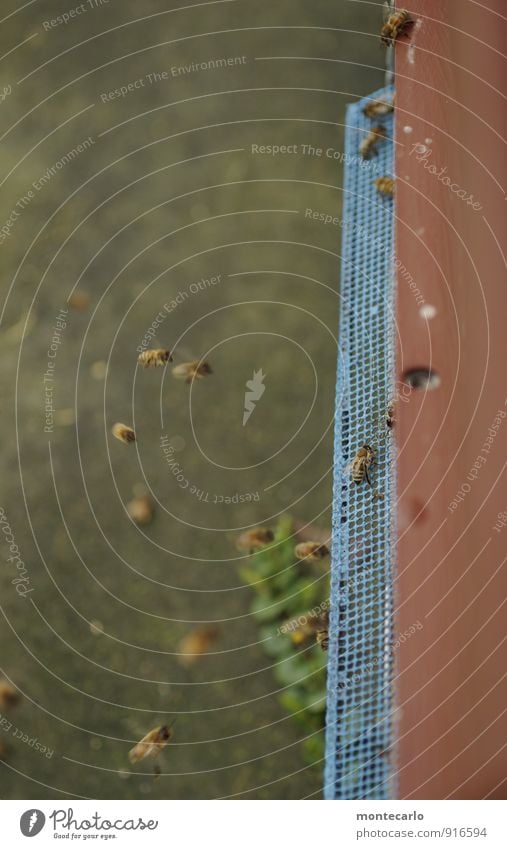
(185, 354)
(138, 752)
(386, 10)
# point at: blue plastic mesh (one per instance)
(359, 713)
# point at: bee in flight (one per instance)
(360, 465)
(311, 551)
(254, 540)
(123, 432)
(394, 26)
(140, 509)
(154, 357)
(374, 108)
(152, 744)
(317, 627)
(9, 696)
(368, 146)
(385, 185)
(190, 371)
(197, 642)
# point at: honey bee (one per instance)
(154, 357)
(322, 637)
(364, 458)
(190, 371)
(79, 300)
(390, 415)
(394, 26)
(195, 643)
(9, 696)
(374, 108)
(254, 539)
(317, 626)
(123, 433)
(140, 510)
(385, 185)
(373, 137)
(311, 551)
(152, 744)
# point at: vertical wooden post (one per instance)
(452, 440)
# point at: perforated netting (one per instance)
(359, 713)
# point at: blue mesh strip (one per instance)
(359, 711)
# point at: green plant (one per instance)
(286, 593)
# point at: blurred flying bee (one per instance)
(385, 185)
(190, 371)
(154, 357)
(316, 626)
(390, 415)
(195, 643)
(9, 696)
(394, 26)
(364, 458)
(311, 551)
(78, 300)
(140, 509)
(254, 539)
(374, 108)
(152, 744)
(123, 433)
(373, 137)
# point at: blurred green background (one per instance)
(169, 189)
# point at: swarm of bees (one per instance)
(311, 551)
(152, 745)
(123, 432)
(9, 696)
(192, 371)
(368, 146)
(254, 539)
(154, 357)
(376, 108)
(395, 25)
(385, 185)
(196, 643)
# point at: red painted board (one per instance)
(452, 440)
